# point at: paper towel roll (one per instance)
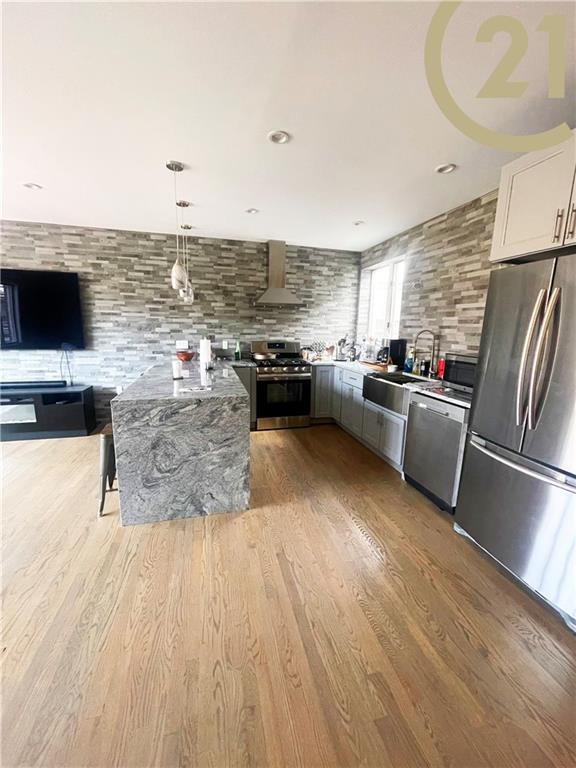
(205, 353)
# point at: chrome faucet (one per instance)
(435, 342)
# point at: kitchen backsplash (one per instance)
(132, 317)
(446, 277)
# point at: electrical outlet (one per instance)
(182, 344)
(224, 343)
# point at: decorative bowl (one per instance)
(185, 355)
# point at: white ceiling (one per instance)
(97, 96)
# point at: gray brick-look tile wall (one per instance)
(132, 317)
(446, 278)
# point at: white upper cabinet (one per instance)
(536, 208)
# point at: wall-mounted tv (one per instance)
(40, 310)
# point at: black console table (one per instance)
(45, 410)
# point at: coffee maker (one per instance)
(383, 354)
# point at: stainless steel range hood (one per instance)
(277, 293)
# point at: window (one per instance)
(385, 300)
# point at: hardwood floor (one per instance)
(339, 622)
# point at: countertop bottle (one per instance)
(237, 352)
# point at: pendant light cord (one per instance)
(176, 207)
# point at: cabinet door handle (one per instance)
(558, 225)
(571, 223)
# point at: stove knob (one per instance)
(285, 369)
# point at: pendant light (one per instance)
(179, 277)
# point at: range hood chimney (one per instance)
(277, 293)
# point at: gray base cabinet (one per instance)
(337, 376)
(383, 432)
(371, 425)
(352, 412)
(322, 391)
(392, 437)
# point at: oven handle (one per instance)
(284, 377)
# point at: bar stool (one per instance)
(107, 463)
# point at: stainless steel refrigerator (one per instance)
(517, 496)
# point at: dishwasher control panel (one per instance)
(441, 407)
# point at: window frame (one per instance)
(392, 265)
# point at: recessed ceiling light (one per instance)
(446, 168)
(279, 137)
(358, 223)
(252, 210)
(32, 185)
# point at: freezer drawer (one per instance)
(525, 522)
(434, 447)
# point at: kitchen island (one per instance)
(182, 447)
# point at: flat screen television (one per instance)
(40, 310)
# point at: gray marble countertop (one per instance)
(157, 383)
(243, 364)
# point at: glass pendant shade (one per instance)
(179, 277)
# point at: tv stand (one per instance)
(33, 410)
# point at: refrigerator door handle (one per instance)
(538, 304)
(522, 469)
(536, 366)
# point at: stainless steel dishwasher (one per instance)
(435, 437)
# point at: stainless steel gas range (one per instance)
(283, 385)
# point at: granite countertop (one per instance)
(243, 364)
(157, 383)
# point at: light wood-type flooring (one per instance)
(339, 622)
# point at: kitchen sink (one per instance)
(395, 378)
(388, 391)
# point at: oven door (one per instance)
(283, 401)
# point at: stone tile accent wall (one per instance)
(446, 277)
(132, 317)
